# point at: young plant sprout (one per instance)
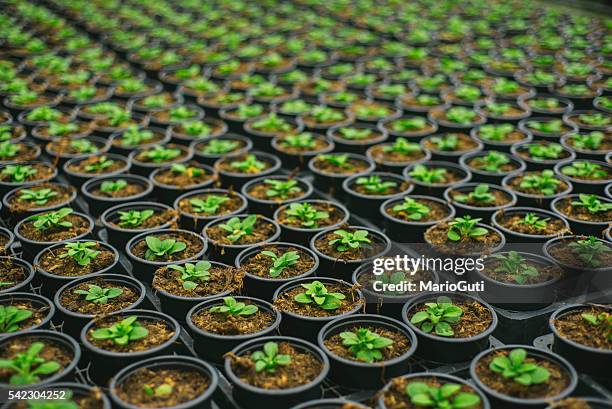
(52, 220)
(220, 146)
(515, 367)
(491, 132)
(191, 273)
(596, 119)
(533, 220)
(546, 183)
(515, 267)
(281, 262)
(210, 205)
(134, 218)
(349, 240)
(375, 184)
(498, 109)
(588, 249)
(269, 359)
(408, 124)
(302, 141)
(427, 175)
(122, 332)
(590, 141)
(190, 171)
(273, 123)
(11, 316)
(549, 151)
(99, 295)
(8, 150)
(480, 194)
(583, 169)
(447, 143)
(355, 133)
(232, 308)
(447, 396)
(492, 161)
(250, 164)
(549, 127)
(317, 293)
(282, 189)
(601, 319)
(111, 186)
(19, 173)
(37, 196)
(403, 147)
(134, 136)
(337, 160)
(592, 204)
(198, 129)
(462, 228)
(307, 214)
(159, 154)
(365, 345)
(27, 367)
(58, 129)
(157, 248)
(413, 209)
(438, 317)
(323, 114)
(461, 115)
(81, 252)
(160, 391)
(99, 165)
(237, 228)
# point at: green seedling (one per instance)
(375, 185)
(51, 220)
(546, 183)
(365, 345)
(11, 316)
(159, 154)
(122, 332)
(99, 165)
(355, 134)
(533, 220)
(604, 318)
(307, 214)
(492, 132)
(427, 175)
(220, 146)
(250, 164)
(515, 267)
(549, 151)
(492, 162)
(81, 251)
(302, 141)
(210, 205)
(403, 147)
(317, 293)
(134, 218)
(588, 250)
(413, 209)
(27, 367)
(38, 196)
(282, 189)
(233, 308)
(280, 263)
(462, 228)
(447, 396)
(438, 317)
(19, 173)
(111, 186)
(515, 368)
(585, 170)
(349, 240)
(592, 204)
(269, 359)
(237, 228)
(191, 273)
(480, 194)
(163, 249)
(590, 141)
(99, 295)
(446, 143)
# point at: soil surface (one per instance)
(52, 351)
(222, 279)
(76, 302)
(39, 312)
(262, 231)
(80, 225)
(475, 320)
(571, 403)
(574, 327)
(547, 272)
(334, 212)
(437, 211)
(513, 222)
(397, 398)
(63, 193)
(11, 274)
(286, 301)
(223, 324)
(582, 213)
(159, 333)
(352, 166)
(43, 172)
(229, 206)
(364, 251)
(259, 264)
(51, 262)
(379, 155)
(400, 345)
(437, 236)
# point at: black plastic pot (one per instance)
(20, 215)
(410, 231)
(531, 200)
(178, 306)
(369, 205)
(265, 287)
(62, 340)
(356, 146)
(437, 189)
(484, 212)
(119, 236)
(144, 269)
(31, 248)
(167, 194)
(596, 187)
(10, 239)
(513, 237)
(23, 285)
(210, 159)
(483, 176)
(500, 401)
(268, 207)
(363, 375)
(329, 404)
(37, 302)
(307, 327)
(226, 253)
(447, 349)
(74, 321)
(100, 204)
(440, 377)
(237, 180)
(303, 235)
(212, 347)
(582, 226)
(146, 168)
(586, 359)
(245, 394)
(594, 403)
(51, 283)
(333, 181)
(6, 187)
(78, 179)
(187, 363)
(343, 269)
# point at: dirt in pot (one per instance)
(98, 297)
(303, 367)
(28, 173)
(69, 147)
(20, 152)
(301, 215)
(78, 225)
(396, 397)
(438, 237)
(220, 147)
(450, 142)
(96, 165)
(219, 280)
(183, 175)
(157, 333)
(38, 313)
(488, 198)
(571, 403)
(4, 240)
(588, 326)
(211, 204)
(340, 164)
(160, 154)
(162, 387)
(51, 351)
(398, 344)
(538, 183)
(494, 162)
(333, 244)
(243, 164)
(39, 196)
(557, 382)
(116, 189)
(578, 209)
(398, 154)
(514, 269)
(582, 253)
(408, 209)
(156, 219)
(261, 231)
(474, 319)
(278, 262)
(11, 274)
(191, 246)
(302, 144)
(347, 302)
(233, 324)
(532, 224)
(378, 186)
(57, 261)
(277, 190)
